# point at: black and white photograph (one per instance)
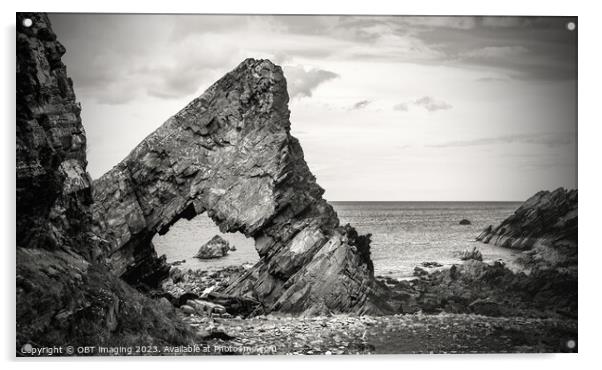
(281, 184)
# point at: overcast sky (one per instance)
(386, 108)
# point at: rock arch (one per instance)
(230, 153)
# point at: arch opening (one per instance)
(184, 238)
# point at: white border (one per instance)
(590, 137)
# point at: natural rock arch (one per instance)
(230, 153)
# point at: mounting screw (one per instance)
(571, 26)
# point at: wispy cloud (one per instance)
(426, 102)
(548, 139)
(495, 52)
(403, 107)
(360, 105)
(302, 82)
(493, 79)
(431, 104)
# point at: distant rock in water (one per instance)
(545, 225)
(431, 264)
(473, 254)
(465, 222)
(217, 247)
(230, 154)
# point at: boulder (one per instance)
(230, 154)
(176, 275)
(187, 309)
(235, 305)
(217, 247)
(486, 307)
(465, 222)
(213, 332)
(206, 308)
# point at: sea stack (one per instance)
(230, 154)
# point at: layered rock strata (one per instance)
(65, 293)
(545, 226)
(53, 187)
(230, 153)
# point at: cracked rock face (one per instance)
(65, 294)
(53, 188)
(230, 153)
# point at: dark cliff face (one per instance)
(545, 225)
(65, 293)
(53, 188)
(230, 153)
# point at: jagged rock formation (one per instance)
(65, 293)
(545, 225)
(473, 254)
(230, 153)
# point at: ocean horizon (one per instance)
(404, 235)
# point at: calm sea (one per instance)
(404, 234)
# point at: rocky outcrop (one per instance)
(217, 247)
(545, 225)
(492, 290)
(230, 153)
(65, 294)
(473, 254)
